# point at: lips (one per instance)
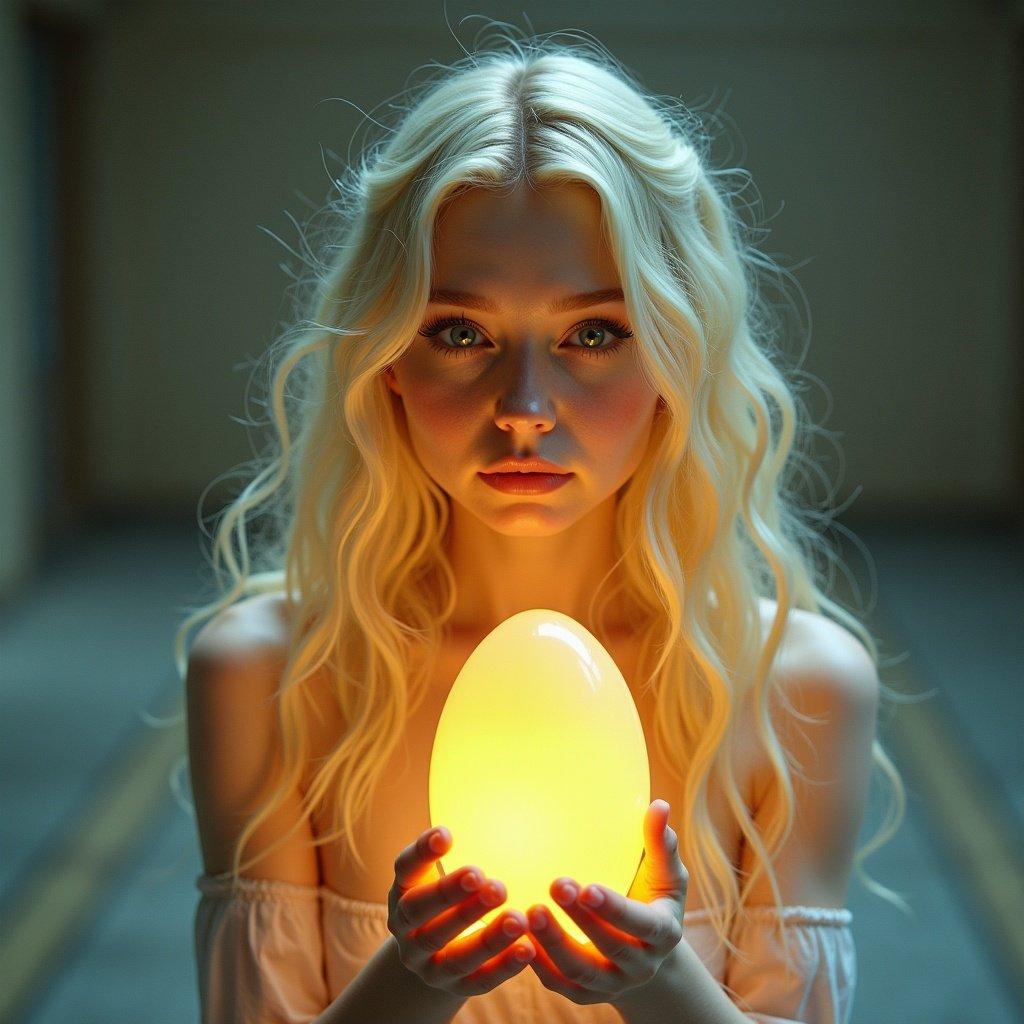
(528, 465)
(526, 483)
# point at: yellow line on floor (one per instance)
(63, 891)
(970, 818)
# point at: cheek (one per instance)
(621, 415)
(437, 410)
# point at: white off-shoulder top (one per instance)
(279, 953)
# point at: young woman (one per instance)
(536, 374)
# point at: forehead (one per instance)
(523, 237)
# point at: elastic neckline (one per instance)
(270, 889)
(793, 914)
(351, 904)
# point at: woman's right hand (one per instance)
(426, 916)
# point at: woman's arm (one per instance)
(835, 681)
(233, 673)
(386, 990)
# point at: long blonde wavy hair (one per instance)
(352, 528)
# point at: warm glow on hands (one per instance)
(628, 939)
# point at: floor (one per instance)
(98, 858)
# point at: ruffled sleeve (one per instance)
(819, 987)
(259, 951)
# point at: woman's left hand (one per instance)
(631, 937)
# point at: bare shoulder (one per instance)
(234, 669)
(234, 672)
(256, 623)
(245, 648)
(825, 692)
(234, 675)
(818, 656)
(821, 671)
(826, 722)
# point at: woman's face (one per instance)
(518, 379)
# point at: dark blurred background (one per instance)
(151, 149)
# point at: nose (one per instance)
(524, 404)
(523, 416)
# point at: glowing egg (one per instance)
(539, 765)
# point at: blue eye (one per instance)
(433, 328)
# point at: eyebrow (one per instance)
(582, 300)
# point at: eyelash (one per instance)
(439, 323)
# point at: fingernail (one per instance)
(512, 927)
(436, 841)
(565, 894)
(471, 881)
(538, 922)
(592, 897)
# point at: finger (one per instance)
(464, 956)
(656, 827)
(497, 970)
(416, 862)
(641, 923)
(616, 941)
(665, 872)
(574, 962)
(450, 923)
(661, 842)
(423, 903)
(550, 977)
(545, 969)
